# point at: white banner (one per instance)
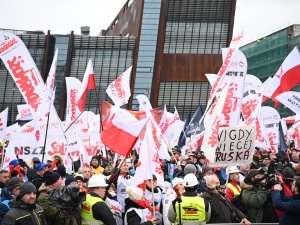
(24, 112)
(22, 68)
(290, 99)
(235, 146)
(271, 120)
(3, 124)
(73, 85)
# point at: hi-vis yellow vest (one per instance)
(87, 211)
(236, 191)
(192, 211)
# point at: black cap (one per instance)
(26, 188)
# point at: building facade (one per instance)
(266, 54)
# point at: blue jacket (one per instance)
(290, 205)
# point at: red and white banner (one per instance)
(88, 83)
(265, 88)
(232, 50)
(72, 112)
(212, 126)
(9, 156)
(252, 100)
(22, 68)
(11, 129)
(290, 99)
(122, 132)
(271, 119)
(3, 123)
(287, 76)
(295, 134)
(24, 112)
(164, 122)
(261, 137)
(119, 89)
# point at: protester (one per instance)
(10, 191)
(222, 211)
(40, 168)
(233, 189)
(95, 165)
(113, 204)
(138, 210)
(190, 208)
(290, 205)
(4, 177)
(94, 210)
(24, 210)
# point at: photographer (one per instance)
(222, 210)
(257, 198)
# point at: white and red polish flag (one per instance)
(287, 76)
(119, 89)
(88, 83)
(3, 123)
(72, 112)
(22, 68)
(122, 132)
(265, 87)
(290, 99)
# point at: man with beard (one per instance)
(290, 205)
(4, 177)
(95, 165)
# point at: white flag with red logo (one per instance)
(3, 124)
(24, 112)
(290, 99)
(88, 83)
(10, 130)
(144, 102)
(232, 50)
(122, 132)
(271, 120)
(119, 89)
(9, 156)
(210, 139)
(72, 112)
(295, 134)
(22, 68)
(164, 122)
(287, 76)
(261, 136)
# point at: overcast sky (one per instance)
(258, 17)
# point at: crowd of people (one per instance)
(264, 191)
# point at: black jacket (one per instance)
(132, 217)
(221, 208)
(24, 214)
(102, 212)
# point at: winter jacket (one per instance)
(132, 217)
(54, 215)
(4, 207)
(254, 198)
(24, 214)
(221, 208)
(290, 205)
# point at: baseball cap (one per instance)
(40, 166)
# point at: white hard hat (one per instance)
(97, 181)
(190, 180)
(232, 169)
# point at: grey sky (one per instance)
(259, 17)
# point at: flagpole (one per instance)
(47, 126)
(74, 120)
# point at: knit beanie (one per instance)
(14, 182)
(79, 177)
(176, 181)
(288, 172)
(95, 157)
(252, 173)
(189, 168)
(50, 178)
(26, 188)
(134, 193)
(69, 179)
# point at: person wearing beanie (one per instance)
(24, 210)
(113, 204)
(137, 208)
(53, 214)
(10, 191)
(158, 196)
(255, 197)
(79, 178)
(221, 208)
(95, 165)
(172, 193)
(94, 210)
(190, 168)
(70, 180)
(179, 211)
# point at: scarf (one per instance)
(144, 204)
